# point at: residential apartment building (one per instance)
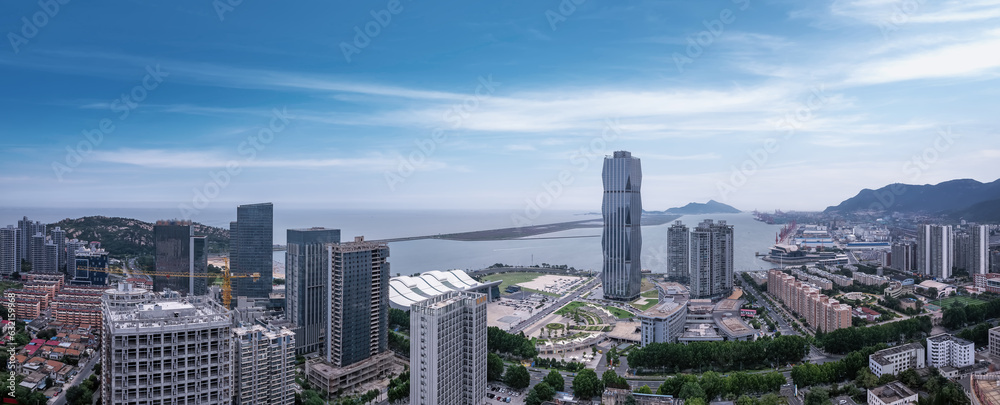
(994, 342)
(894, 393)
(945, 350)
(935, 251)
(265, 365)
(359, 301)
(711, 260)
(895, 360)
(448, 350)
(621, 240)
(251, 250)
(820, 311)
(10, 258)
(664, 322)
(169, 351)
(179, 251)
(678, 251)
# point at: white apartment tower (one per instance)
(980, 260)
(9, 256)
(448, 350)
(265, 365)
(935, 252)
(168, 351)
(947, 350)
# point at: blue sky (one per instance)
(759, 104)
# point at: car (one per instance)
(843, 401)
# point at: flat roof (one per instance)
(893, 392)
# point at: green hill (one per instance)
(131, 237)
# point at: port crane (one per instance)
(227, 287)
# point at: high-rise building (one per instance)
(359, 301)
(711, 260)
(58, 236)
(251, 250)
(962, 246)
(28, 230)
(265, 365)
(621, 241)
(72, 246)
(980, 250)
(38, 252)
(306, 285)
(91, 266)
(678, 252)
(947, 350)
(178, 250)
(169, 351)
(51, 257)
(935, 255)
(448, 350)
(9, 255)
(904, 256)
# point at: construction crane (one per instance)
(227, 288)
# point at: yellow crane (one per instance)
(227, 288)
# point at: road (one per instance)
(82, 375)
(783, 325)
(552, 308)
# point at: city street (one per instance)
(84, 373)
(554, 307)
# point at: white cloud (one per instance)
(179, 159)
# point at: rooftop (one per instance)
(165, 313)
(879, 356)
(893, 392)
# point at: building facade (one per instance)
(9, 257)
(819, 310)
(895, 360)
(306, 288)
(170, 351)
(28, 230)
(179, 251)
(935, 251)
(448, 350)
(58, 236)
(894, 393)
(621, 241)
(359, 301)
(664, 322)
(251, 250)
(678, 251)
(979, 262)
(265, 365)
(711, 260)
(904, 256)
(994, 342)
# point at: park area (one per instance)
(546, 284)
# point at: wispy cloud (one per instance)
(181, 159)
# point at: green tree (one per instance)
(817, 396)
(910, 378)
(532, 398)
(586, 385)
(630, 400)
(691, 390)
(770, 399)
(644, 390)
(612, 380)
(544, 391)
(46, 334)
(712, 384)
(745, 400)
(886, 378)
(494, 367)
(77, 395)
(517, 377)
(866, 379)
(556, 380)
(695, 401)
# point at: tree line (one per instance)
(842, 341)
(959, 315)
(835, 371)
(711, 385)
(518, 346)
(719, 356)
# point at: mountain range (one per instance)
(711, 207)
(131, 237)
(957, 199)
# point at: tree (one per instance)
(745, 400)
(544, 391)
(886, 378)
(695, 401)
(586, 385)
(613, 380)
(532, 399)
(691, 390)
(77, 395)
(97, 368)
(910, 378)
(517, 377)
(712, 384)
(494, 367)
(770, 399)
(866, 379)
(630, 400)
(817, 396)
(556, 380)
(46, 334)
(644, 390)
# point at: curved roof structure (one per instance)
(407, 290)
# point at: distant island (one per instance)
(711, 207)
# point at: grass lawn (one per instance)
(618, 312)
(569, 307)
(950, 301)
(4, 285)
(510, 279)
(539, 292)
(649, 304)
(651, 294)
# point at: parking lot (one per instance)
(504, 395)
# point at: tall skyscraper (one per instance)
(935, 255)
(169, 351)
(711, 260)
(178, 250)
(307, 288)
(28, 230)
(51, 257)
(38, 253)
(678, 252)
(265, 365)
(59, 239)
(9, 248)
(621, 241)
(980, 250)
(72, 246)
(448, 350)
(359, 301)
(251, 250)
